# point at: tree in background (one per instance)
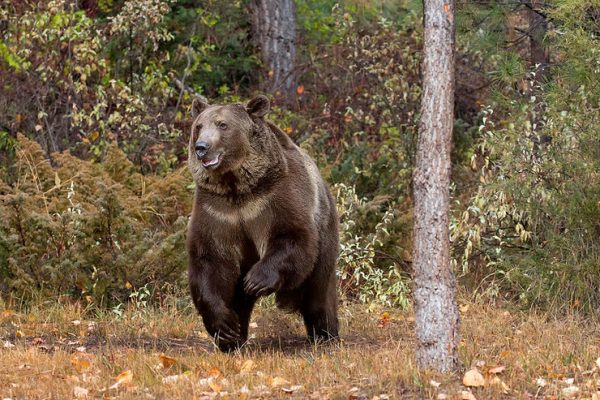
(274, 26)
(436, 312)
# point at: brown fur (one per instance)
(263, 221)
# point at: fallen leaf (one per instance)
(19, 333)
(384, 319)
(124, 378)
(166, 361)
(38, 128)
(300, 89)
(8, 345)
(80, 392)
(215, 373)
(80, 361)
(248, 366)
(463, 308)
(473, 378)
(435, 384)
(466, 395)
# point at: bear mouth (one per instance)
(212, 163)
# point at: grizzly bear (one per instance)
(263, 222)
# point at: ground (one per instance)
(62, 350)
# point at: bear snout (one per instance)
(202, 148)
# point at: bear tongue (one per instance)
(210, 163)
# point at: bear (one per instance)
(263, 221)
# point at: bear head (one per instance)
(223, 136)
(233, 150)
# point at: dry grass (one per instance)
(59, 351)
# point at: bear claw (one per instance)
(260, 285)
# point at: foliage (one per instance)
(534, 220)
(361, 276)
(90, 229)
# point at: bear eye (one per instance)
(221, 125)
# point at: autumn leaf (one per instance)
(473, 378)
(124, 378)
(166, 361)
(215, 373)
(300, 89)
(384, 319)
(81, 362)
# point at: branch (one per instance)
(183, 87)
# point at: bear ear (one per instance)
(198, 105)
(258, 106)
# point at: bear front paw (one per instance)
(259, 282)
(225, 329)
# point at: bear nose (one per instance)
(202, 148)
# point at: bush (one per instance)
(90, 229)
(531, 230)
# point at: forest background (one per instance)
(95, 98)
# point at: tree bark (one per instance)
(436, 312)
(274, 28)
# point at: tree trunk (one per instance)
(274, 26)
(436, 312)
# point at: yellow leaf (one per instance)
(19, 334)
(128, 285)
(166, 361)
(473, 378)
(248, 366)
(94, 135)
(81, 362)
(124, 378)
(18, 118)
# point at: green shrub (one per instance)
(90, 229)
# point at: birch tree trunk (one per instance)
(436, 311)
(274, 26)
